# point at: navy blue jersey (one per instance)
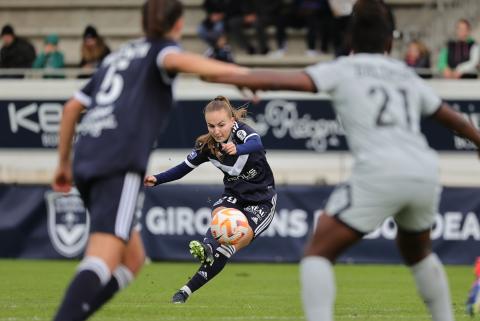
(248, 177)
(128, 101)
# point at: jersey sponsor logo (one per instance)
(97, 120)
(68, 222)
(252, 173)
(241, 134)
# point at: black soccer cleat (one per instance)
(203, 252)
(180, 297)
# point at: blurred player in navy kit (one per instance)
(380, 103)
(127, 103)
(235, 149)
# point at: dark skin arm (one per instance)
(300, 81)
(269, 80)
(456, 122)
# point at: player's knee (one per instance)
(319, 249)
(134, 260)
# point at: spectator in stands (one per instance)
(212, 27)
(417, 55)
(242, 15)
(460, 57)
(307, 14)
(342, 12)
(212, 30)
(221, 50)
(93, 49)
(51, 57)
(288, 17)
(16, 52)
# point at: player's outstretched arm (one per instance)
(196, 64)
(456, 122)
(62, 180)
(170, 175)
(268, 80)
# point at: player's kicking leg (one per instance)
(213, 257)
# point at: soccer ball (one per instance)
(229, 226)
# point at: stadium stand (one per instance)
(118, 22)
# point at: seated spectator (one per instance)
(212, 30)
(288, 17)
(342, 11)
(460, 57)
(212, 27)
(250, 14)
(220, 50)
(417, 55)
(314, 15)
(93, 49)
(16, 52)
(50, 57)
(239, 16)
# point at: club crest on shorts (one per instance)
(68, 222)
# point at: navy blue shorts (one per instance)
(259, 215)
(112, 203)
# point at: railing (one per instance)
(29, 73)
(77, 73)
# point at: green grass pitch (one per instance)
(31, 290)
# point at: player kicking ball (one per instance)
(235, 149)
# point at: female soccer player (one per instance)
(236, 149)
(127, 102)
(380, 103)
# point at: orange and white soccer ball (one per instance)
(229, 226)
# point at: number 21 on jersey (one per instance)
(385, 98)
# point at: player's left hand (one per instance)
(230, 148)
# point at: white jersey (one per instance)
(380, 103)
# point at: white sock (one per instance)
(432, 284)
(123, 275)
(318, 288)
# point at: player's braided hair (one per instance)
(371, 27)
(159, 16)
(219, 103)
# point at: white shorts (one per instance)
(363, 204)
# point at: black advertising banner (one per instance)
(287, 124)
(38, 223)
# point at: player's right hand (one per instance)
(63, 179)
(150, 181)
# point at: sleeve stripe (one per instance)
(83, 98)
(164, 52)
(189, 164)
(253, 134)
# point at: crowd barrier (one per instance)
(39, 223)
(285, 122)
